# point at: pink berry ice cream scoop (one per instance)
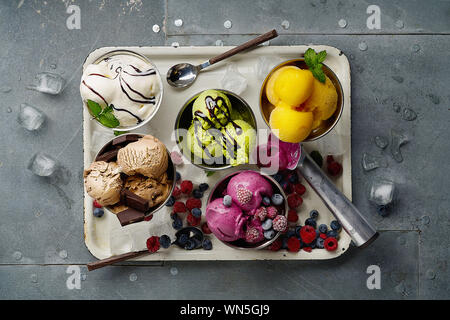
(248, 188)
(227, 223)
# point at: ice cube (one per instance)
(47, 82)
(409, 114)
(398, 139)
(233, 80)
(42, 165)
(381, 192)
(381, 142)
(265, 64)
(30, 118)
(370, 162)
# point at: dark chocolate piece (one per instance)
(123, 139)
(134, 201)
(108, 156)
(130, 215)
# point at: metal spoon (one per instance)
(184, 74)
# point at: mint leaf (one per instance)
(310, 55)
(313, 61)
(321, 56)
(209, 173)
(118, 133)
(94, 107)
(108, 120)
(318, 73)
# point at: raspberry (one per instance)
(323, 235)
(176, 193)
(193, 203)
(307, 249)
(307, 234)
(292, 216)
(280, 223)
(96, 204)
(261, 213)
(153, 244)
(330, 244)
(186, 187)
(334, 168)
(293, 244)
(179, 207)
(299, 189)
(252, 235)
(244, 195)
(294, 201)
(276, 245)
(272, 212)
(192, 220)
(205, 228)
(330, 159)
(148, 218)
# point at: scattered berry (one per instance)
(190, 244)
(206, 244)
(179, 207)
(292, 216)
(186, 187)
(205, 228)
(252, 235)
(244, 195)
(261, 213)
(182, 239)
(278, 177)
(267, 224)
(276, 245)
(310, 222)
(320, 243)
(299, 189)
(290, 233)
(297, 231)
(192, 203)
(171, 201)
(272, 212)
(176, 193)
(153, 244)
(330, 159)
(193, 220)
(177, 224)
(334, 168)
(307, 234)
(98, 212)
(293, 244)
(197, 193)
(96, 204)
(307, 249)
(279, 223)
(266, 201)
(164, 241)
(317, 157)
(323, 236)
(269, 234)
(330, 244)
(277, 199)
(148, 218)
(203, 187)
(294, 201)
(323, 228)
(196, 212)
(314, 214)
(335, 225)
(332, 234)
(177, 176)
(227, 200)
(293, 178)
(286, 187)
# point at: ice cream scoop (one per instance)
(103, 182)
(248, 188)
(227, 223)
(148, 188)
(147, 156)
(238, 140)
(212, 109)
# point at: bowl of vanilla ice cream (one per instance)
(122, 90)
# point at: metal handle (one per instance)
(359, 229)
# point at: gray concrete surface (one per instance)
(406, 62)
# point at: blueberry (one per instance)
(284, 185)
(182, 240)
(164, 241)
(177, 224)
(312, 245)
(190, 244)
(290, 233)
(310, 222)
(197, 242)
(266, 201)
(267, 224)
(177, 176)
(197, 193)
(284, 243)
(335, 225)
(98, 212)
(297, 231)
(207, 245)
(277, 199)
(174, 216)
(320, 243)
(171, 201)
(203, 187)
(323, 228)
(227, 201)
(269, 234)
(382, 210)
(293, 178)
(314, 214)
(196, 212)
(278, 177)
(332, 234)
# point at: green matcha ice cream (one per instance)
(239, 138)
(212, 108)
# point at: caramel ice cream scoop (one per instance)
(103, 182)
(147, 156)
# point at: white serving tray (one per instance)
(105, 237)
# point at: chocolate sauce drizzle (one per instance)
(212, 105)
